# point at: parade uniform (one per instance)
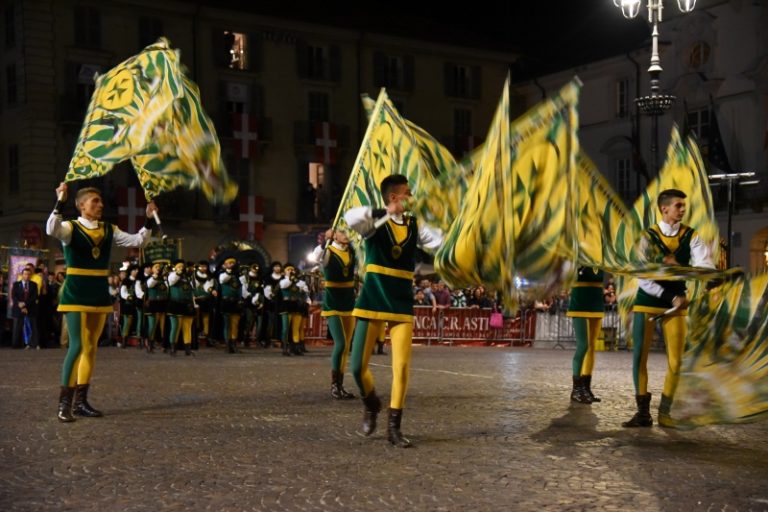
(141, 294)
(127, 305)
(85, 300)
(156, 305)
(295, 295)
(203, 285)
(338, 302)
(386, 296)
(253, 295)
(181, 308)
(654, 298)
(586, 307)
(272, 306)
(231, 294)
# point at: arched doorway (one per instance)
(758, 251)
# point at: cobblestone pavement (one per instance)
(492, 428)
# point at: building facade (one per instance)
(284, 95)
(715, 60)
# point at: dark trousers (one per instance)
(18, 328)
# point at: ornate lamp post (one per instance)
(655, 104)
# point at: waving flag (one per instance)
(515, 230)
(724, 373)
(145, 109)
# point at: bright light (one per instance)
(311, 257)
(630, 8)
(686, 5)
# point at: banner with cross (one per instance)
(245, 135)
(251, 217)
(131, 209)
(326, 142)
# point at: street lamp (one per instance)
(654, 104)
(731, 179)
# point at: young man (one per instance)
(295, 293)
(204, 294)
(672, 243)
(156, 304)
(387, 296)
(586, 308)
(231, 293)
(85, 295)
(338, 263)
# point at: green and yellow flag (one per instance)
(724, 373)
(146, 109)
(515, 229)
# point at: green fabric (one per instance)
(73, 350)
(337, 333)
(339, 299)
(88, 291)
(384, 293)
(587, 299)
(358, 348)
(683, 257)
(582, 344)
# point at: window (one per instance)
(235, 48)
(623, 168)
(11, 85)
(319, 109)
(87, 26)
(13, 168)
(622, 98)
(150, 30)
(462, 122)
(317, 62)
(10, 26)
(462, 81)
(698, 123)
(393, 71)
(699, 55)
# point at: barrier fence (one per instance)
(454, 326)
(471, 326)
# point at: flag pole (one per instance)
(353, 177)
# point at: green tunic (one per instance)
(586, 300)
(661, 245)
(181, 297)
(387, 292)
(339, 297)
(86, 287)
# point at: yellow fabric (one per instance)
(72, 271)
(379, 269)
(333, 312)
(295, 320)
(642, 371)
(234, 323)
(91, 325)
(593, 329)
(401, 336)
(381, 316)
(585, 314)
(339, 284)
(672, 242)
(374, 326)
(85, 309)
(674, 328)
(206, 317)
(656, 311)
(95, 234)
(344, 255)
(348, 326)
(400, 231)
(587, 285)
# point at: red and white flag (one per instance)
(131, 208)
(251, 217)
(245, 135)
(326, 142)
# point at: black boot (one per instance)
(188, 349)
(345, 395)
(372, 407)
(286, 348)
(579, 391)
(380, 348)
(642, 417)
(393, 429)
(303, 347)
(335, 385)
(81, 406)
(231, 346)
(65, 404)
(588, 386)
(296, 349)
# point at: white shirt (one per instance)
(62, 230)
(701, 256)
(361, 220)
